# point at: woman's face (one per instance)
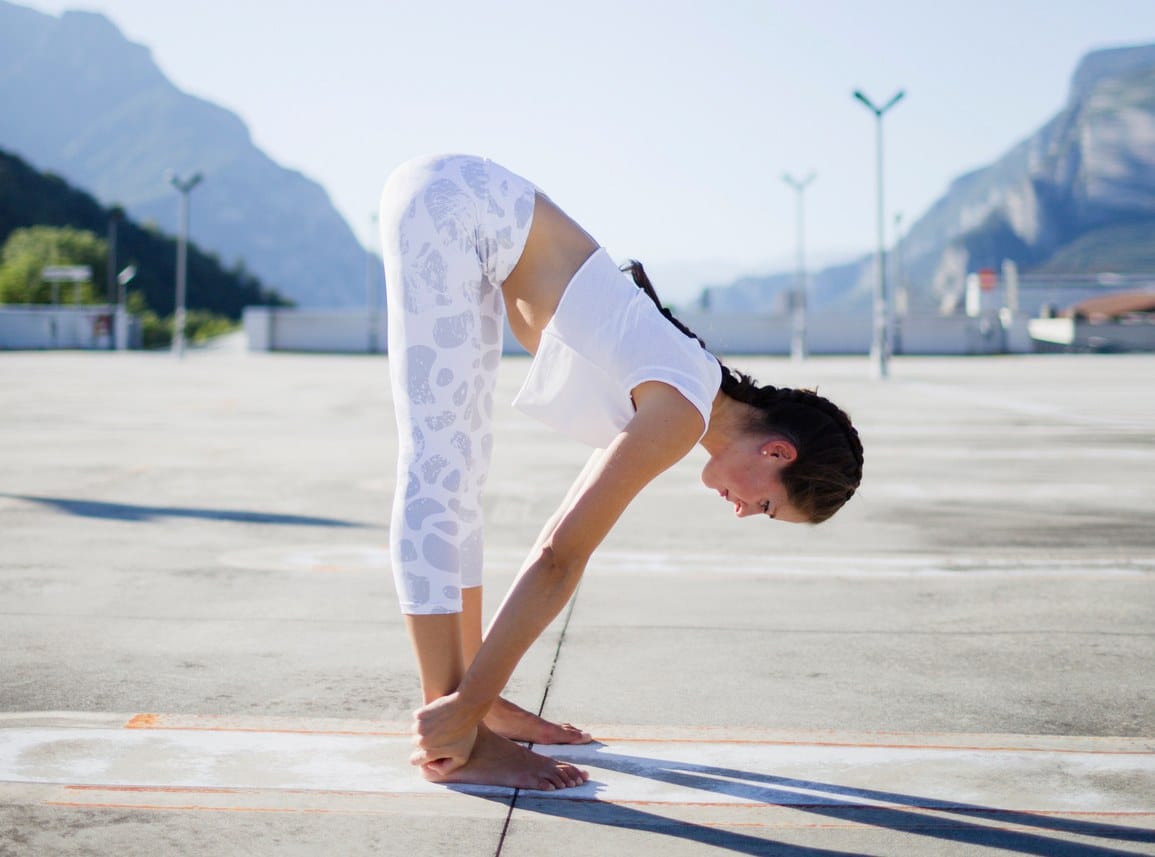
(748, 475)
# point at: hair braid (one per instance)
(828, 467)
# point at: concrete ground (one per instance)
(200, 650)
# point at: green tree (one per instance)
(30, 250)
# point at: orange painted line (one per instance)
(956, 825)
(249, 790)
(156, 722)
(784, 743)
(247, 729)
(863, 807)
(157, 789)
(199, 808)
(878, 734)
(949, 825)
(153, 722)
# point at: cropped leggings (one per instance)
(452, 229)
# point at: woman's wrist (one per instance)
(471, 703)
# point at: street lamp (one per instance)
(184, 188)
(371, 285)
(798, 337)
(115, 217)
(880, 347)
(901, 304)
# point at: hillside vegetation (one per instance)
(1122, 248)
(30, 202)
(81, 100)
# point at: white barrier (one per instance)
(352, 332)
(1080, 334)
(34, 327)
(315, 330)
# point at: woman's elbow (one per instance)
(563, 567)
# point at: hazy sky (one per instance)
(663, 126)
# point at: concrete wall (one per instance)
(1071, 334)
(315, 330)
(37, 326)
(763, 333)
(350, 331)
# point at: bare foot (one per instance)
(517, 724)
(497, 761)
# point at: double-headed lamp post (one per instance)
(798, 332)
(880, 346)
(184, 188)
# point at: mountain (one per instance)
(80, 100)
(1077, 196)
(31, 198)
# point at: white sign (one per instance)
(67, 274)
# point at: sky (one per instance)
(664, 127)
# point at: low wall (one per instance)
(315, 330)
(352, 332)
(1071, 334)
(35, 327)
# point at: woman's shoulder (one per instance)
(670, 412)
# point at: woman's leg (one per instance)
(444, 349)
(504, 717)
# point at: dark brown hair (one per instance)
(828, 468)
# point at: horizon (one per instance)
(667, 148)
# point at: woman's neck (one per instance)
(729, 420)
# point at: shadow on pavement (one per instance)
(149, 514)
(953, 821)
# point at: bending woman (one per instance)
(467, 244)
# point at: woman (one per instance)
(467, 244)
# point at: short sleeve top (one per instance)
(605, 339)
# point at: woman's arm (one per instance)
(663, 430)
(579, 484)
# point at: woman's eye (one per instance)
(766, 507)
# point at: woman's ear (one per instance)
(780, 448)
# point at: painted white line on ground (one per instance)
(644, 562)
(1019, 405)
(1068, 775)
(324, 558)
(375, 558)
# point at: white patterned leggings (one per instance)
(452, 229)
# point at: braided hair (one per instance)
(828, 467)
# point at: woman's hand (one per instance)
(444, 732)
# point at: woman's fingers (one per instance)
(438, 766)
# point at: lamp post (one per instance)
(184, 188)
(901, 297)
(880, 346)
(798, 332)
(115, 216)
(371, 286)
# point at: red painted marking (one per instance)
(159, 789)
(783, 743)
(945, 824)
(198, 808)
(248, 790)
(156, 723)
(143, 721)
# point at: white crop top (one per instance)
(606, 338)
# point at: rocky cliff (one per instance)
(1077, 194)
(78, 99)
